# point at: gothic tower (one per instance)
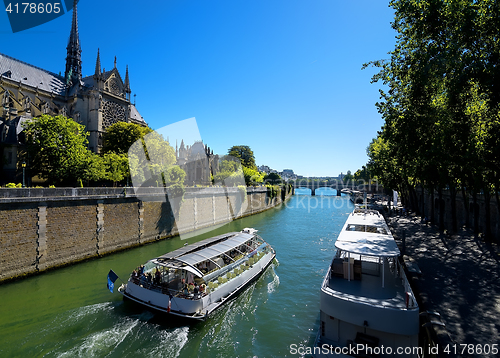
(73, 74)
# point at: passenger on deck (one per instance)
(157, 279)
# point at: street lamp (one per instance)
(24, 172)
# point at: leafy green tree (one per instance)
(362, 174)
(94, 168)
(252, 177)
(273, 178)
(150, 159)
(57, 149)
(116, 167)
(244, 154)
(120, 136)
(441, 108)
(175, 175)
(348, 177)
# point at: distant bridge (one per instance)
(339, 186)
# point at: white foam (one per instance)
(274, 284)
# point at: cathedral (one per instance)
(27, 91)
(199, 163)
(96, 101)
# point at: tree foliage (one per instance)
(152, 159)
(252, 176)
(244, 154)
(120, 136)
(441, 101)
(273, 178)
(56, 148)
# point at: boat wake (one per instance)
(274, 284)
(99, 331)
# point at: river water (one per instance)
(69, 312)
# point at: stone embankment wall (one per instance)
(45, 228)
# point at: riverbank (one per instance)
(42, 229)
(459, 280)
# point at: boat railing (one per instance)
(164, 289)
(411, 301)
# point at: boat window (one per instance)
(367, 228)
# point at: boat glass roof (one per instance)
(367, 242)
(205, 249)
(215, 250)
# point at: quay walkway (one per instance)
(459, 279)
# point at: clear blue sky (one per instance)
(281, 76)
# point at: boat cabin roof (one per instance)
(366, 233)
(204, 250)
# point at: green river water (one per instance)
(69, 312)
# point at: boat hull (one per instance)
(197, 309)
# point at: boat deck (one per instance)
(369, 290)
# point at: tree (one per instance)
(442, 106)
(244, 154)
(116, 167)
(94, 168)
(362, 174)
(348, 177)
(272, 178)
(150, 159)
(120, 136)
(252, 177)
(56, 148)
(175, 175)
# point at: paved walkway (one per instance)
(460, 280)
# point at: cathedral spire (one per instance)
(127, 81)
(98, 64)
(127, 85)
(73, 72)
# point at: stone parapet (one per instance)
(42, 229)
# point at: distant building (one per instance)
(198, 161)
(265, 169)
(288, 174)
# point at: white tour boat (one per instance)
(367, 305)
(196, 279)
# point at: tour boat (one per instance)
(367, 305)
(196, 279)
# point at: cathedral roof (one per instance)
(135, 115)
(31, 75)
(88, 81)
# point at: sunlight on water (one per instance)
(76, 316)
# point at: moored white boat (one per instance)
(196, 279)
(367, 305)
